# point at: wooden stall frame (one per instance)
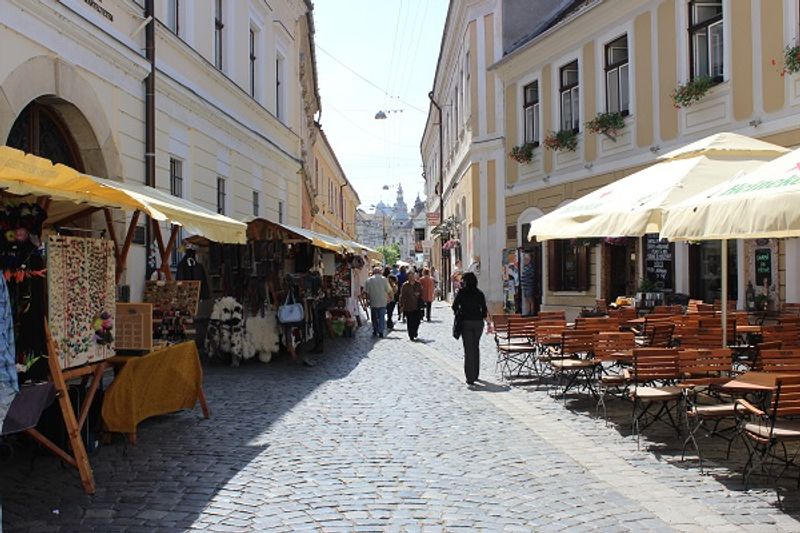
(77, 456)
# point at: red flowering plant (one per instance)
(693, 91)
(522, 153)
(791, 60)
(562, 140)
(609, 124)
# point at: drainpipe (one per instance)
(445, 285)
(149, 121)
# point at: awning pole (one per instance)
(724, 295)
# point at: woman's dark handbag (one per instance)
(457, 326)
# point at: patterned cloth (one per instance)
(8, 370)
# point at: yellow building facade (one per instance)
(335, 200)
(630, 58)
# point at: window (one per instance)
(280, 211)
(531, 112)
(256, 204)
(253, 62)
(218, 26)
(568, 266)
(455, 112)
(220, 195)
(173, 7)
(705, 39)
(176, 189)
(176, 177)
(467, 90)
(570, 92)
(279, 87)
(316, 175)
(617, 83)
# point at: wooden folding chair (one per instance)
(766, 430)
(655, 370)
(515, 348)
(576, 360)
(658, 335)
(702, 369)
(611, 349)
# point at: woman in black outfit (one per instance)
(470, 303)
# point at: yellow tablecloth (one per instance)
(158, 383)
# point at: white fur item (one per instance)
(262, 335)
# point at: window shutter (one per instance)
(584, 267)
(553, 269)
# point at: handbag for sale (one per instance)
(290, 312)
(457, 326)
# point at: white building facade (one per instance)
(235, 97)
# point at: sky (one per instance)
(377, 55)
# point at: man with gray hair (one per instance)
(379, 292)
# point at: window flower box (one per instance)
(563, 140)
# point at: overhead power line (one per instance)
(368, 81)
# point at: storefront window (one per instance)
(705, 263)
(568, 266)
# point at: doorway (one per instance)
(531, 257)
(705, 271)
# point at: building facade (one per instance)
(464, 180)
(235, 98)
(334, 199)
(513, 74)
(598, 57)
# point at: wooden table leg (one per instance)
(201, 395)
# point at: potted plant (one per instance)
(523, 153)
(763, 302)
(566, 140)
(791, 60)
(609, 124)
(692, 91)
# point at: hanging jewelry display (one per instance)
(81, 298)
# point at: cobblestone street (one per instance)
(383, 435)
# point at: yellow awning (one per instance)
(193, 218)
(28, 175)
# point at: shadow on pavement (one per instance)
(181, 462)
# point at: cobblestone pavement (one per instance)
(383, 435)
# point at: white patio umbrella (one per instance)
(762, 203)
(633, 205)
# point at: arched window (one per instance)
(40, 131)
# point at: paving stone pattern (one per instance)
(381, 435)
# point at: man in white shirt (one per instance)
(379, 292)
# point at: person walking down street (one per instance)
(393, 301)
(428, 287)
(402, 276)
(437, 288)
(411, 304)
(470, 304)
(379, 292)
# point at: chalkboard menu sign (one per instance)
(763, 257)
(658, 261)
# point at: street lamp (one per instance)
(382, 115)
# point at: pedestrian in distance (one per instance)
(379, 292)
(470, 306)
(402, 276)
(389, 310)
(390, 306)
(412, 304)
(428, 287)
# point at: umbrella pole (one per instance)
(724, 295)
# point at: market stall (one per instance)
(295, 284)
(61, 298)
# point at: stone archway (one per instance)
(63, 91)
